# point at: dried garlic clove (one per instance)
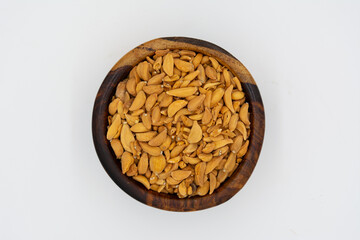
(143, 180)
(180, 174)
(159, 139)
(235, 147)
(182, 92)
(195, 134)
(126, 161)
(157, 164)
(126, 137)
(117, 147)
(230, 162)
(244, 114)
(112, 130)
(168, 65)
(143, 70)
(138, 102)
(113, 106)
(157, 79)
(183, 65)
(143, 163)
(196, 102)
(175, 107)
(153, 89)
(145, 136)
(203, 190)
(212, 183)
(216, 96)
(138, 127)
(153, 151)
(227, 98)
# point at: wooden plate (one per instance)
(167, 201)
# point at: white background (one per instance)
(304, 56)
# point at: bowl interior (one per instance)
(169, 201)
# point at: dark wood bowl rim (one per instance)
(167, 201)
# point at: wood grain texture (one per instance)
(167, 201)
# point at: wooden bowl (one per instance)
(167, 201)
